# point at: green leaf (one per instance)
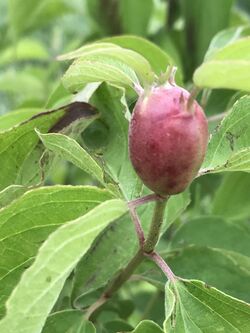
(59, 96)
(13, 118)
(147, 326)
(20, 149)
(226, 260)
(226, 270)
(167, 44)
(239, 17)
(102, 69)
(32, 13)
(229, 147)
(57, 257)
(201, 308)
(120, 240)
(111, 104)
(22, 84)
(101, 51)
(135, 16)
(226, 68)
(230, 74)
(220, 100)
(28, 221)
(238, 50)
(116, 326)
(51, 11)
(158, 59)
(213, 232)
(68, 321)
(102, 13)
(225, 38)
(199, 28)
(11, 193)
(19, 144)
(71, 151)
(233, 196)
(25, 49)
(90, 49)
(18, 13)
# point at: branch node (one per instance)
(160, 262)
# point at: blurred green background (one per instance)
(34, 32)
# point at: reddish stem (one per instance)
(143, 200)
(137, 224)
(133, 204)
(160, 262)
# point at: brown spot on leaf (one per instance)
(230, 138)
(74, 111)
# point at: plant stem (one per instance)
(138, 227)
(146, 249)
(135, 218)
(125, 274)
(95, 306)
(155, 227)
(163, 266)
(143, 200)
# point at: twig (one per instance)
(160, 262)
(102, 300)
(144, 200)
(155, 227)
(123, 276)
(138, 227)
(133, 204)
(146, 249)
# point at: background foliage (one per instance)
(65, 229)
